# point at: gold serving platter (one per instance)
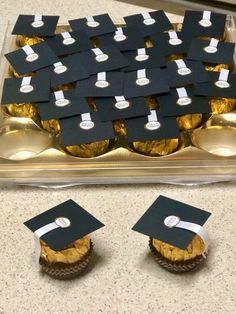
(31, 155)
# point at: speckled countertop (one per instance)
(122, 276)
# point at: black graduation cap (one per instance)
(103, 84)
(151, 127)
(31, 58)
(119, 107)
(171, 42)
(204, 23)
(222, 84)
(144, 58)
(71, 222)
(155, 224)
(94, 25)
(103, 59)
(83, 129)
(66, 70)
(149, 22)
(211, 51)
(69, 42)
(26, 89)
(185, 72)
(145, 82)
(181, 101)
(62, 104)
(124, 38)
(35, 25)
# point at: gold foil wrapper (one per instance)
(64, 87)
(216, 68)
(222, 105)
(119, 128)
(189, 121)
(52, 126)
(22, 40)
(71, 254)
(148, 42)
(172, 253)
(25, 110)
(175, 57)
(89, 150)
(62, 28)
(151, 103)
(157, 147)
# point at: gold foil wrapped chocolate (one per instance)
(119, 128)
(172, 253)
(151, 103)
(222, 105)
(51, 125)
(157, 147)
(24, 110)
(71, 254)
(64, 87)
(22, 40)
(189, 121)
(175, 57)
(89, 150)
(216, 68)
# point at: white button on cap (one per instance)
(32, 57)
(62, 102)
(210, 49)
(205, 23)
(86, 124)
(102, 84)
(60, 69)
(142, 81)
(37, 24)
(63, 222)
(141, 57)
(184, 71)
(122, 104)
(68, 41)
(222, 84)
(152, 125)
(26, 89)
(102, 57)
(184, 101)
(120, 37)
(175, 41)
(171, 221)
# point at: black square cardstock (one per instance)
(161, 24)
(12, 94)
(81, 224)
(75, 71)
(198, 52)
(73, 134)
(107, 110)
(88, 87)
(24, 26)
(103, 22)
(61, 47)
(157, 84)
(192, 26)
(152, 222)
(18, 57)
(76, 106)
(136, 130)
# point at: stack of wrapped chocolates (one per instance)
(96, 86)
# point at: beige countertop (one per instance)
(122, 277)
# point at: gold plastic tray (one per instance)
(30, 155)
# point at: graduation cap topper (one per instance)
(63, 224)
(173, 222)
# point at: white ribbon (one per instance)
(90, 19)
(146, 15)
(182, 92)
(101, 76)
(214, 42)
(206, 15)
(173, 35)
(59, 95)
(97, 51)
(141, 73)
(119, 98)
(224, 75)
(152, 117)
(180, 63)
(26, 80)
(38, 17)
(86, 116)
(119, 31)
(28, 50)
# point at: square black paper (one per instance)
(115, 60)
(158, 84)
(107, 111)
(133, 40)
(82, 43)
(152, 222)
(192, 27)
(170, 108)
(11, 90)
(155, 60)
(162, 23)
(88, 88)
(136, 130)
(198, 74)
(105, 25)
(49, 110)
(18, 61)
(162, 42)
(23, 26)
(75, 71)
(224, 53)
(82, 223)
(73, 134)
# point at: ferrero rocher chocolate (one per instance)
(216, 68)
(222, 105)
(52, 126)
(175, 57)
(119, 128)
(89, 150)
(24, 110)
(151, 103)
(22, 40)
(157, 147)
(71, 254)
(189, 121)
(172, 253)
